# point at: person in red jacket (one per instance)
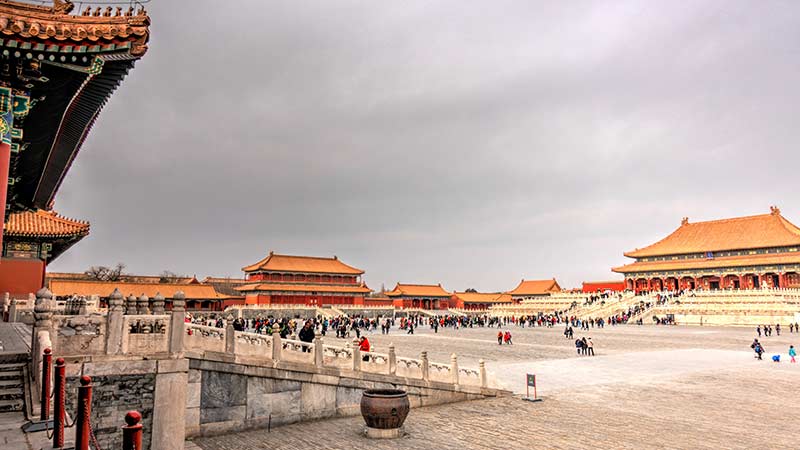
(363, 345)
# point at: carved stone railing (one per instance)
(293, 350)
(253, 344)
(274, 349)
(204, 338)
(79, 335)
(145, 334)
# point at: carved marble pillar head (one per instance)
(179, 301)
(43, 308)
(116, 301)
(158, 304)
(144, 303)
(130, 305)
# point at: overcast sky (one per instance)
(471, 143)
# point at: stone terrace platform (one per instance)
(649, 387)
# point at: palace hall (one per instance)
(309, 280)
(750, 252)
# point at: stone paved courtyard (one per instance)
(649, 387)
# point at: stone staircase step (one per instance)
(12, 393)
(11, 405)
(11, 383)
(11, 374)
(12, 367)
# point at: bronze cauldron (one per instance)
(384, 408)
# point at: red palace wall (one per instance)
(601, 286)
(21, 277)
(310, 300)
(299, 278)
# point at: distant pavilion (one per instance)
(425, 296)
(307, 280)
(480, 300)
(534, 289)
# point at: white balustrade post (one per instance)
(114, 323)
(12, 311)
(454, 368)
(276, 342)
(318, 360)
(392, 360)
(176, 324)
(482, 365)
(425, 366)
(230, 339)
(356, 355)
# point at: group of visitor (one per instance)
(584, 346)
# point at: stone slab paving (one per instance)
(755, 407)
(12, 437)
(649, 387)
(12, 338)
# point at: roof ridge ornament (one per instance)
(685, 221)
(774, 210)
(62, 6)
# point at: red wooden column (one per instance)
(59, 399)
(82, 425)
(47, 361)
(132, 431)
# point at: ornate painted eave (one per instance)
(67, 66)
(54, 26)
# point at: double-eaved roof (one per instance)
(302, 264)
(765, 239)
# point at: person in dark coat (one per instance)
(307, 335)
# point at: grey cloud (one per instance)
(468, 143)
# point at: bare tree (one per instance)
(168, 276)
(104, 273)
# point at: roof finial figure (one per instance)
(774, 210)
(62, 6)
(685, 221)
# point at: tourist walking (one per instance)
(758, 348)
(792, 353)
(578, 346)
(590, 346)
(500, 337)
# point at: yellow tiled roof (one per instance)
(105, 288)
(418, 290)
(536, 287)
(481, 297)
(761, 231)
(42, 223)
(304, 264)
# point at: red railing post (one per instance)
(47, 361)
(132, 432)
(84, 414)
(59, 400)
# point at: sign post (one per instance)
(531, 383)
